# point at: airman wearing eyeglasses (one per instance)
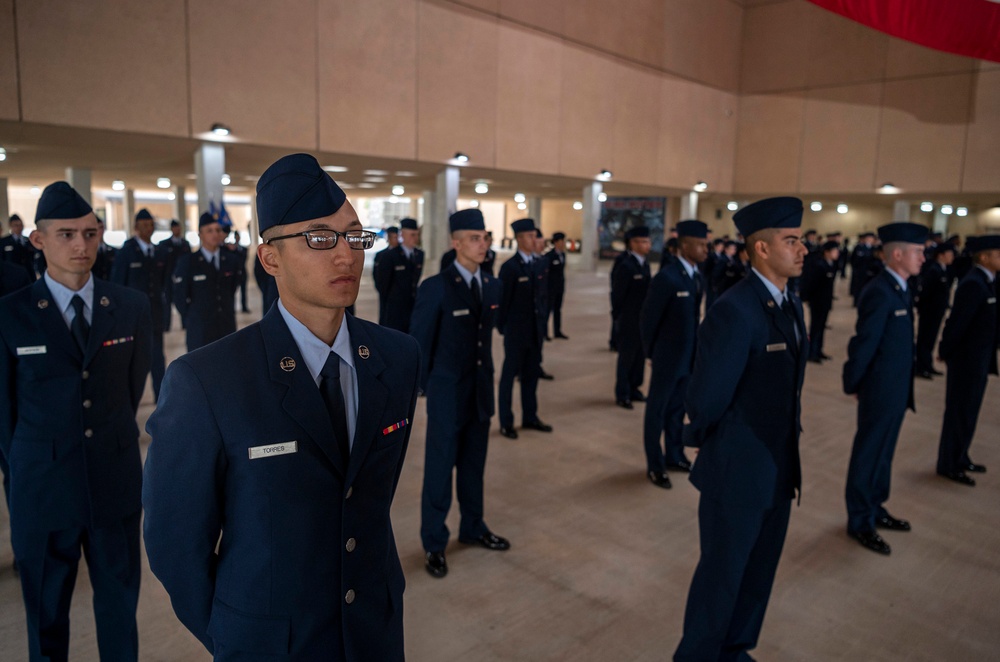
(286, 439)
(204, 287)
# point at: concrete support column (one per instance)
(534, 211)
(79, 178)
(4, 206)
(180, 208)
(128, 211)
(588, 235)
(940, 222)
(254, 230)
(901, 210)
(209, 166)
(689, 206)
(444, 203)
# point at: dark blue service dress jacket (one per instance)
(971, 336)
(396, 279)
(243, 447)
(669, 320)
(132, 268)
(743, 399)
(205, 296)
(521, 318)
(67, 424)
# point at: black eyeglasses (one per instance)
(324, 240)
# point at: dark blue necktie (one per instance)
(333, 395)
(79, 327)
(476, 296)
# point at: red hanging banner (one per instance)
(963, 27)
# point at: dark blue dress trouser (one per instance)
(664, 415)
(526, 362)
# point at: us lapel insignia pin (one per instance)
(287, 364)
(105, 302)
(363, 352)
(43, 304)
(770, 303)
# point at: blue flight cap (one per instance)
(15, 217)
(829, 246)
(783, 212)
(143, 215)
(392, 229)
(294, 189)
(60, 200)
(466, 219)
(695, 229)
(940, 249)
(984, 242)
(408, 224)
(558, 236)
(538, 233)
(910, 233)
(174, 223)
(523, 225)
(637, 231)
(206, 219)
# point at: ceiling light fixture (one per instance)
(163, 182)
(522, 206)
(841, 208)
(962, 211)
(118, 185)
(578, 205)
(405, 173)
(482, 188)
(947, 210)
(519, 197)
(888, 189)
(700, 187)
(461, 158)
(226, 180)
(732, 205)
(220, 129)
(602, 197)
(474, 204)
(35, 190)
(605, 175)
(3, 154)
(398, 190)
(366, 185)
(335, 168)
(377, 173)
(816, 206)
(926, 206)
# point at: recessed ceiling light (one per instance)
(226, 180)
(701, 186)
(962, 211)
(461, 158)
(3, 154)
(578, 205)
(841, 208)
(118, 185)
(220, 129)
(482, 188)
(732, 205)
(344, 185)
(887, 189)
(335, 168)
(366, 185)
(405, 173)
(602, 197)
(519, 197)
(163, 182)
(926, 206)
(377, 173)
(947, 209)
(377, 180)
(816, 206)
(474, 203)
(522, 206)
(35, 190)
(605, 175)
(398, 190)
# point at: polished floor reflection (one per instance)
(601, 559)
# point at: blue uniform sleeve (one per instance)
(142, 358)
(8, 395)
(182, 284)
(507, 284)
(872, 317)
(182, 492)
(119, 268)
(424, 324)
(653, 309)
(620, 281)
(968, 298)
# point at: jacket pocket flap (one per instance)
(247, 632)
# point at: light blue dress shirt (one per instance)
(213, 258)
(778, 296)
(899, 279)
(64, 296)
(467, 276)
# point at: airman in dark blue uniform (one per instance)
(861, 259)
(629, 283)
(392, 238)
(489, 263)
(969, 346)
(204, 285)
(176, 245)
(933, 298)
(142, 266)
(521, 321)
(16, 249)
(556, 259)
(879, 371)
(287, 440)
(540, 265)
(819, 276)
(669, 325)
(12, 278)
(74, 357)
(453, 321)
(744, 405)
(397, 275)
(716, 255)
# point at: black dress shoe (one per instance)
(660, 479)
(936, 373)
(536, 425)
(436, 565)
(871, 540)
(815, 359)
(959, 477)
(924, 374)
(510, 433)
(683, 466)
(887, 521)
(548, 338)
(624, 404)
(545, 375)
(638, 397)
(562, 336)
(489, 541)
(976, 468)
(825, 357)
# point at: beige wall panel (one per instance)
(559, 216)
(702, 39)
(697, 136)
(8, 66)
(491, 6)
(842, 51)
(631, 28)
(456, 85)
(586, 138)
(768, 143)
(982, 155)
(255, 71)
(368, 77)
(908, 59)
(839, 139)
(775, 47)
(637, 125)
(922, 132)
(528, 101)
(117, 64)
(546, 15)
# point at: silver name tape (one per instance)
(901, 312)
(199, 277)
(135, 265)
(31, 351)
(683, 293)
(401, 267)
(637, 277)
(523, 279)
(777, 347)
(460, 313)
(991, 300)
(284, 448)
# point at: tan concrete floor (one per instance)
(601, 560)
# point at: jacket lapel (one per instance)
(51, 320)
(372, 394)
(456, 281)
(778, 317)
(101, 322)
(302, 400)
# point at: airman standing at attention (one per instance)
(879, 371)
(453, 321)
(744, 404)
(934, 297)
(175, 245)
(819, 277)
(15, 248)
(629, 282)
(205, 287)
(557, 282)
(74, 357)
(397, 277)
(392, 239)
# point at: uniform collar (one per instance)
(688, 267)
(210, 256)
(314, 351)
(467, 275)
(63, 295)
(527, 258)
(638, 258)
(990, 276)
(899, 279)
(776, 294)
